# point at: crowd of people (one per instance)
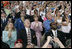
(36, 24)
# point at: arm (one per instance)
(5, 36)
(16, 23)
(59, 42)
(46, 44)
(40, 27)
(67, 21)
(32, 26)
(14, 36)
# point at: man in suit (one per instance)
(3, 20)
(55, 33)
(12, 16)
(27, 35)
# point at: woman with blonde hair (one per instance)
(9, 35)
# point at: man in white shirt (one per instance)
(27, 35)
(55, 33)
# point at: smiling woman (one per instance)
(9, 35)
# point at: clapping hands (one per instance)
(55, 39)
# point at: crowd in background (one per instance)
(36, 24)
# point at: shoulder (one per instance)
(32, 22)
(18, 19)
(32, 31)
(50, 31)
(14, 31)
(40, 22)
(5, 31)
(60, 31)
(53, 19)
(45, 21)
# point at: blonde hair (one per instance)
(6, 28)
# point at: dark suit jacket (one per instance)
(13, 19)
(4, 24)
(23, 35)
(17, 15)
(4, 45)
(29, 17)
(60, 35)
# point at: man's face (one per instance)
(22, 14)
(27, 23)
(49, 16)
(3, 15)
(54, 26)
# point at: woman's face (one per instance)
(23, 13)
(58, 13)
(10, 25)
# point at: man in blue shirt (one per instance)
(46, 23)
(19, 23)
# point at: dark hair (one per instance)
(63, 18)
(3, 10)
(22, 11)
(51, 25)
(59, 7)
(20, 40)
